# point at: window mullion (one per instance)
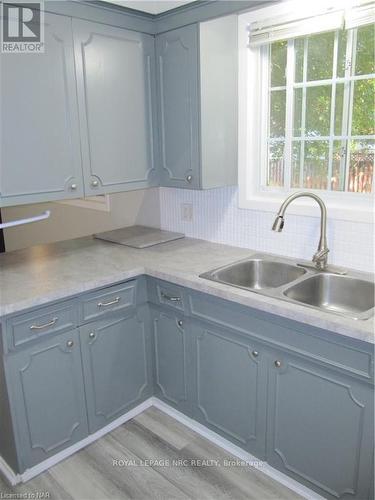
(333, 107)
(265, 115)
(348, 102)
(303, 117)
(289, 115)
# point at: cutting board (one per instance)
(139, 236)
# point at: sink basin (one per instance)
(257, 274)
(340, 294)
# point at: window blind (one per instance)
(292, 25)
(360, 15)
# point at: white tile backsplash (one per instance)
(216, 217)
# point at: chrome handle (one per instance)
(179, 322)
(94, 184)
(40, 327)
(277, 364)
(105, 304)
(92, 335)
(255, 354)
(189, 178)
(170, 297)
(73, 187)
(70, 343)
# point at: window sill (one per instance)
(338, 210)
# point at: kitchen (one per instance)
(187, 249)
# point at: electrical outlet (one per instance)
(186, 212)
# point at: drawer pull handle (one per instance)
(92, 335)
(180, 323)
(40, 327)
(255, 354)
(278, 364)
(105, 304)
(70, 343)
(170, 298)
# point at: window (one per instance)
(309, 122)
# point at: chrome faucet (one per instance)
(320, 257)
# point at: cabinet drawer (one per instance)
(317, 344)
(167, 294)
(27, 327)
(114, 298)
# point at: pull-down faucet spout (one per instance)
(320, 258)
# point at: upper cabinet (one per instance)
(39, 141)
(99, 113)
(115, 78)
(177, 59)
(197, 99)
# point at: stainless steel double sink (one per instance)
(350, 295)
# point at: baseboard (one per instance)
(14, 479)
(236, 451)
(11, 477)
(200, 429)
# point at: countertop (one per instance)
(45, 273)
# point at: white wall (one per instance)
(67, 222)
(216, 217)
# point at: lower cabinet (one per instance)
(320, 426)
(312, 423)
(230, 384)
(46, 385)
(116, 363)
(172, 359)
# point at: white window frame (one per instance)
(341, 205)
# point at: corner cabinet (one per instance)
(40, 145)
(197, 99)
(115, 83)
(48, 397)
(172, 351)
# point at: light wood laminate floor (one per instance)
(118, 466)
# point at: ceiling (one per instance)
(152, 6)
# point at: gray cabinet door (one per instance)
(116, 362)
(115, 77)
(177, 63)
(320, 428)
(172, 360)
(230, 386)
(47, 397)
(40, 146)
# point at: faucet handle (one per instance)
(320, 258)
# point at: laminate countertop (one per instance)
(46, 273)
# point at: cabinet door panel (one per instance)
(230, 387)
(116, 354)
(48, 398)
(320, 428)
(171, 360)
(40, 149)
(177, 60)
(115, 71)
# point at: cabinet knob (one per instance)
(189, 178)
(255, 354)
(179, 322)
(94, 183)
(73, 187)
(277, 364)
(70, 343)
(92, 335)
